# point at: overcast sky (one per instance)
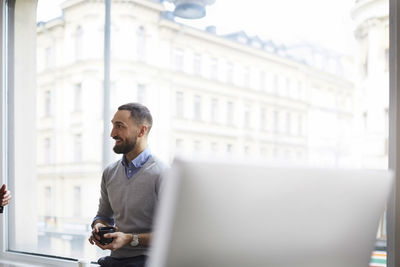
(323, 22)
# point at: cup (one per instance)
(84, 263)
(105, 230)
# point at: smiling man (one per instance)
(129, 190)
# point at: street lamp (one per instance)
(106, 95)
(191, 9)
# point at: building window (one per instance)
(47, 103)
(364, 65)
(276, 121)
(288, 123)
(196, 147)
(246, 77)
(77, 97)
(214, 110)
(229, 113)
(179, 104)
(178, 59)
(141, 93)
(300, 125)
(78, 43)
(213, 147)
(263, 119)
(77, 148)
(229, 148)
(197, 107)
(262, 81)
(247, 116)
(214, 69)
(276, 84)
(141, 43)
(288, 87)
(77, 203)
(48, 201)
(49, 57)
(299, 90)
(47, 150)
(365, 120)
(178, 144)
(229, 72)
(197, 64)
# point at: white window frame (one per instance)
(18, 27)
(393, 210)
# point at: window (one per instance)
(214, 69)
(178, 59)
(141, 93)
(179, 146)
(77, 104)
(197, 108)
(263, 119)
(47, 150)
(247, 116)
(141, 43)
(229, 148)
(77, 147)
(276, 121)
(288, 123)
(276, 84)
(48, 103)
(179, 104)
(77, 205)
(246, 77)
(229, 72)
(213, 147)
(49, 54)
(51, 129)
(214, 110)
(196, 148)
(197, 64)
(262, 81)
(229, 113)
(79, 43)
(48, 201)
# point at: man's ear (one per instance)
(143, 130)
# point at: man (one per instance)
(5, 197)
(129, 190)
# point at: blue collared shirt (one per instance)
(134, 166)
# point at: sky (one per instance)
(326, 23)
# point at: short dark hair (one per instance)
(140, 113)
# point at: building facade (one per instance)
(372, 86)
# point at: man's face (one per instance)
(124, 132)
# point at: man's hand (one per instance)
(5, 196)
(94, 238)
(120, 239)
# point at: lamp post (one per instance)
(106, 95)
(191, 9)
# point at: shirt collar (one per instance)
(139, 161)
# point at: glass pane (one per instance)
(299, 82)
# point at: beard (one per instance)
(126, 146)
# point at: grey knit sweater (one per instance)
(131, 202)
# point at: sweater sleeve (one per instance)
(104, 211)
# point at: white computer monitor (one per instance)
(250, 215)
